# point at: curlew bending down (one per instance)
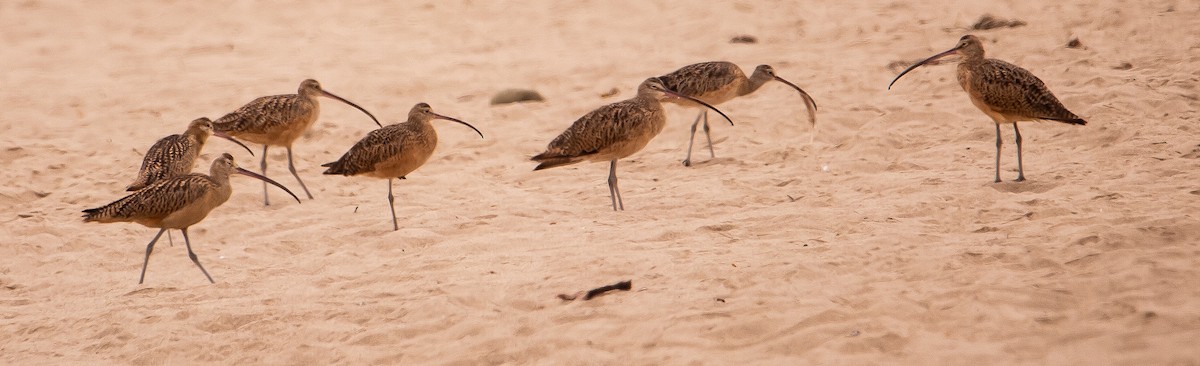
(1003, 91)
(176, 203)
(719, 81)
(279, 120)
(393, 151)
(175, 155)
(613, 132)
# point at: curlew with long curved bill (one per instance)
(716, 82)
(613, 132)
(279, 120)
(176, 203)
(175, 155)
(1003, 91)
(393, 151)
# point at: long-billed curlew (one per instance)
(719, 81)
(1003, 91)
(175, 155)
(278, 120)
(176, 203)
(393, 151)
(613, 132)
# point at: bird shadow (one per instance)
(150, 291)
(1023, 187)
(715, 161)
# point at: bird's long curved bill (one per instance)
(343, 100)
(809, 103)
(456, 120)
(268, 180)
(230, 138)
(922, 62)
(677, 95)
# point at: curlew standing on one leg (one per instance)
(393, 151)
(279, 120)
(176, 203)
(1003, 91)
(719, 81)
(613, 132)
(175, 155)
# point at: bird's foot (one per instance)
(687, 162)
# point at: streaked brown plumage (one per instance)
(279, 120)
(393, 151)
(717, 82)
(1005, 92)
(175, 203)
(175, 155)
(613, 132)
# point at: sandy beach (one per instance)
(884, 241)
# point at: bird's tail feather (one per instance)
(547, 162)
(334, 168)
(98, 214)
(1074, 121)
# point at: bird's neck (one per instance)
(200, 137)
(756, 81)
(652, 101)
(973, 57)
(309, 95)
(647, 95)
(220, 176)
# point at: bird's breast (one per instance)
(279, 124)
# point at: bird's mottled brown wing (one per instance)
(171, 156)
(260, 115)
(1012, 90)
(599, 129)
(698, 79)
(378, 146)
(155, 201)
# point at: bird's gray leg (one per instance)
(392, 204)
(146, 260)
(192, 255)
(692, 139)
(263, 165)
(1020, 167)
(712, 154)
(998, 144)
(613, 191)
(292, 168)
(170, 239)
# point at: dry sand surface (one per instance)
(884, 242)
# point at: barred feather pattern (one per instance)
(711, 82)
(389, 152)
(156, 201)
(171, 156)
(610, 132)
(270, 120)
(173, 203)
(1012, 91)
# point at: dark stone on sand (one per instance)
(515, 96)
(745, 38)
(610, 93)
(987, 21)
